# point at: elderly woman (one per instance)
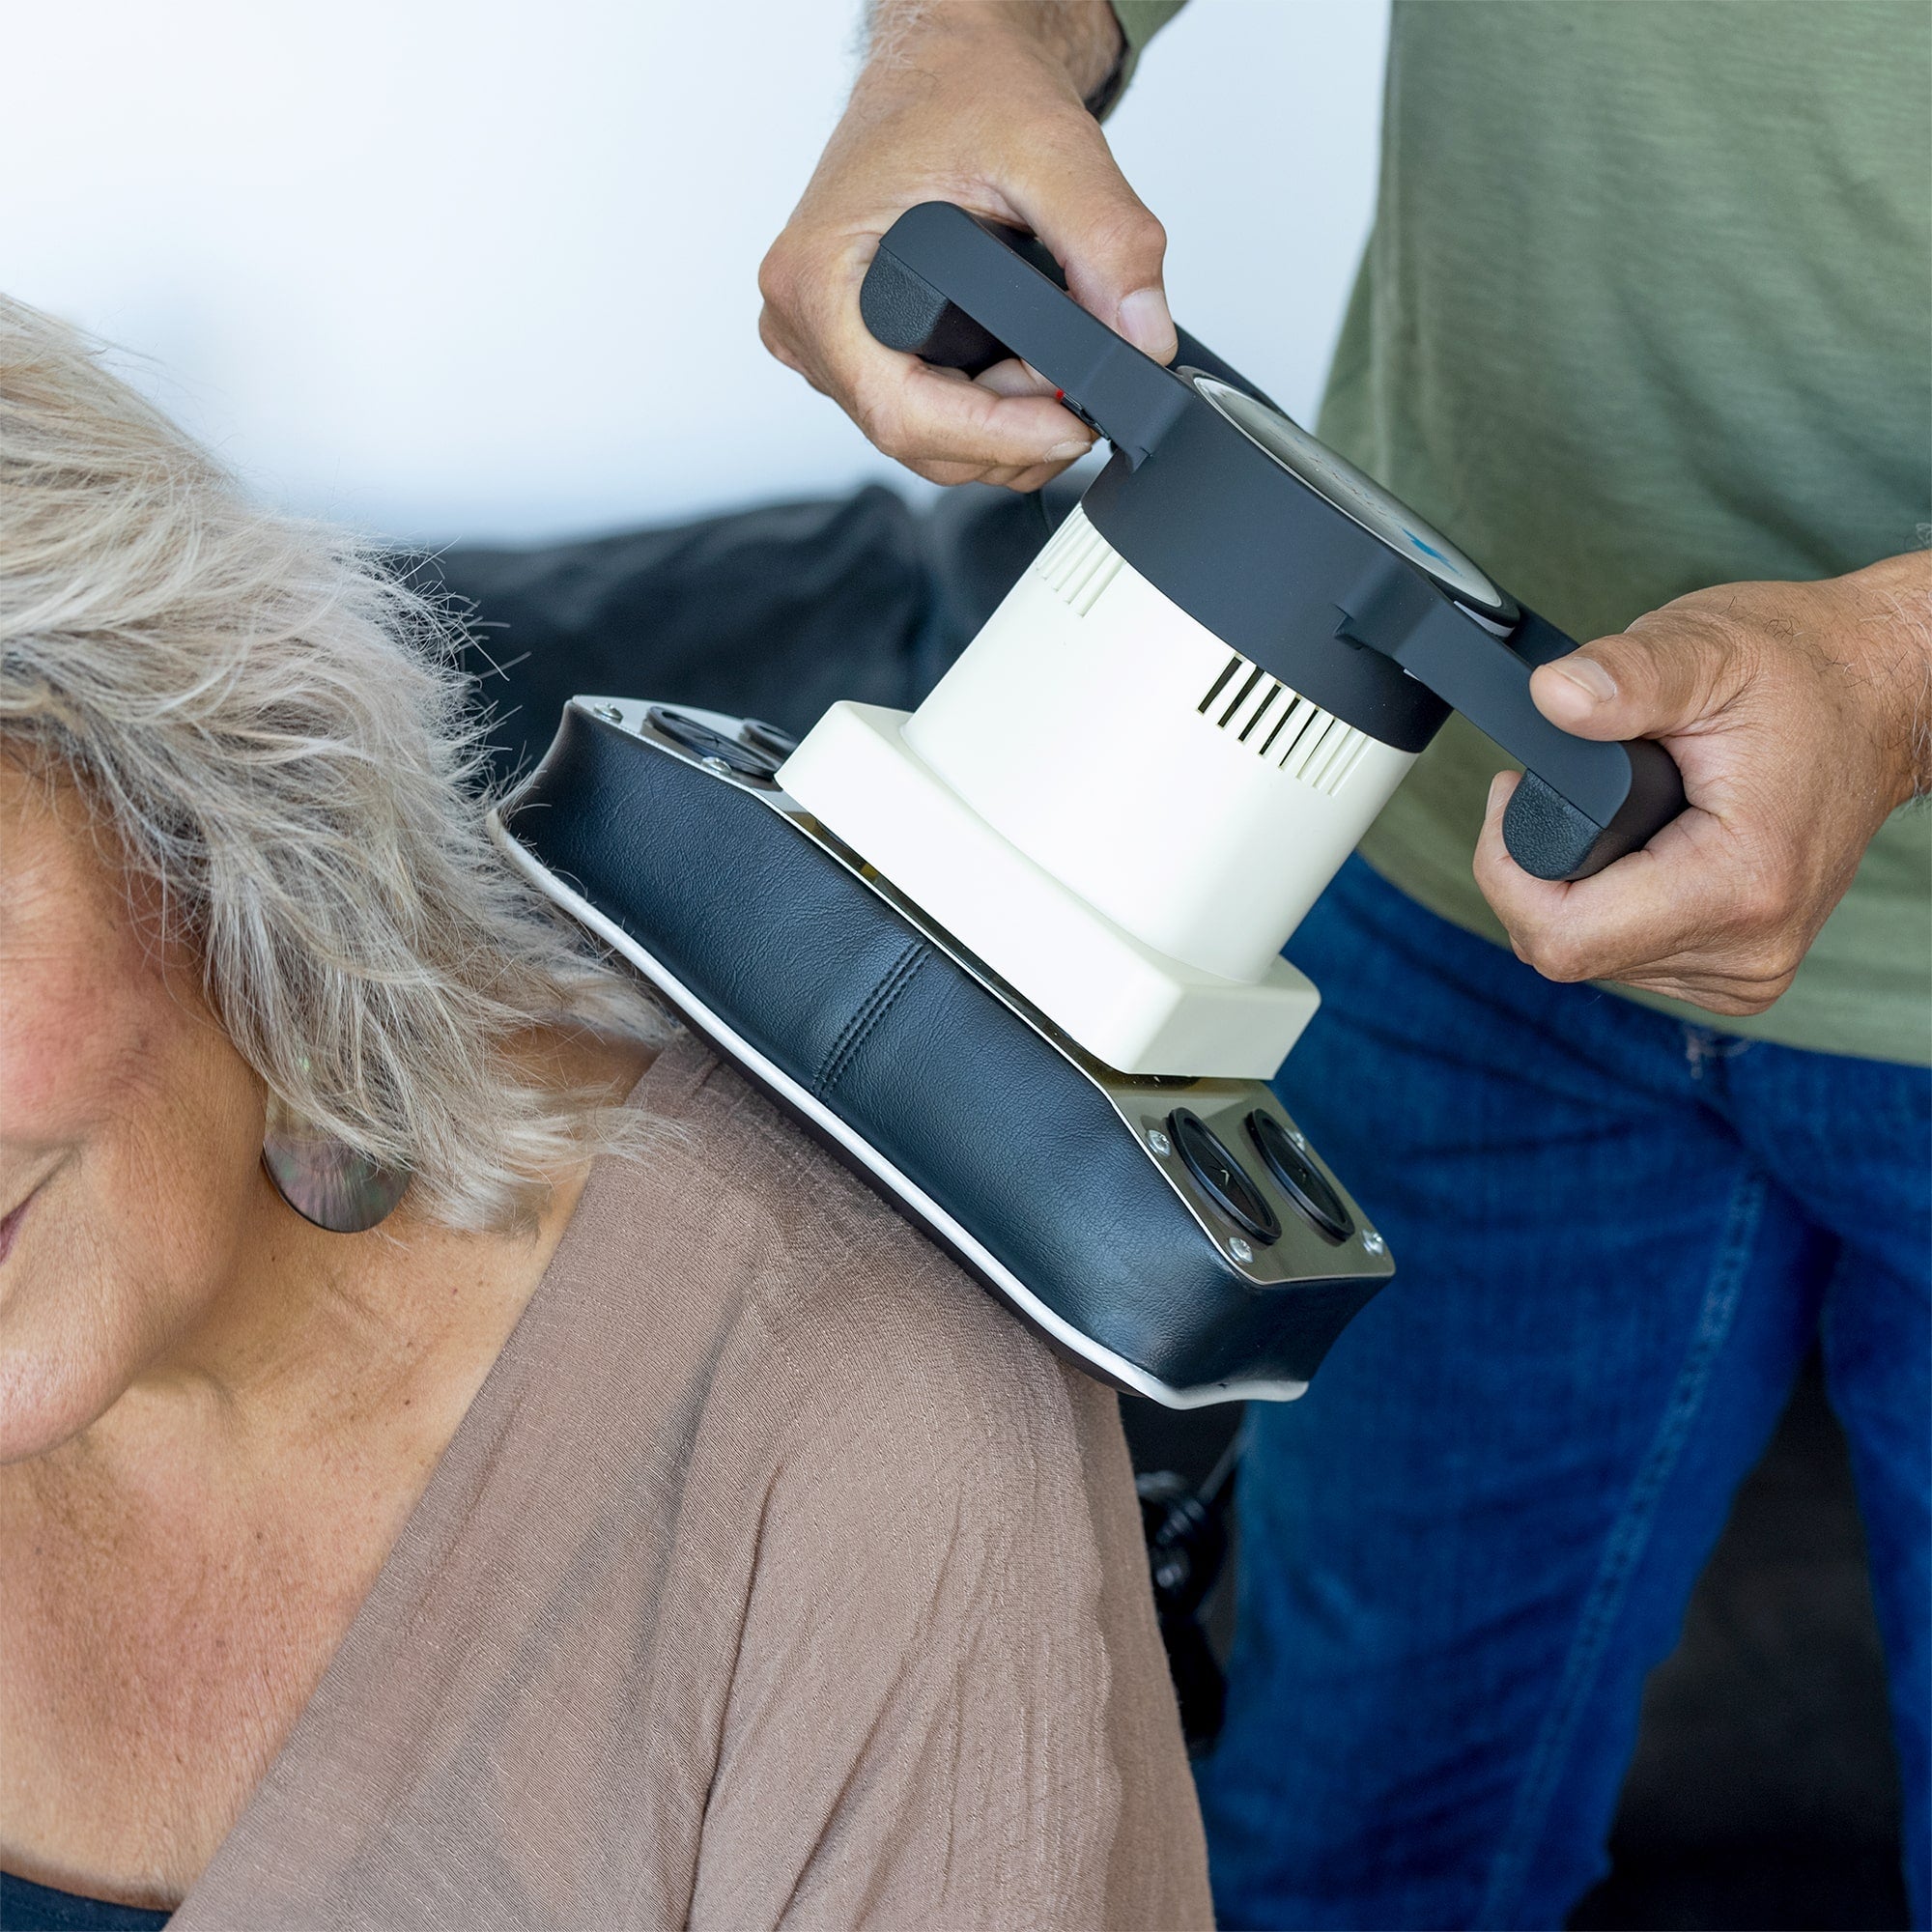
(464, 1461)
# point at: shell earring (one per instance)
(330, 1183)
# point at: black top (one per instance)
(27, 1907)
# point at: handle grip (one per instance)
(1582, 804)
(965, 292)
(906, 312)
(1551, 839)
(903, 311)
(1547, 836)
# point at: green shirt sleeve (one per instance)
(1714, 225)
(1140, 21)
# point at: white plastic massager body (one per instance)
(1161, 746)
(1119, 814)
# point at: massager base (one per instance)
(1130, 1005)
(1064, 1187)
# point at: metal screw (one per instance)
(1159, 1142)
(1241, 1250)
(716, 765)
(1372, 1241)
(1295, 1136)
(608, 713)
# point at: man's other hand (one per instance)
(978, 102)
(1797, 714)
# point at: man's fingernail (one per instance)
(1066, 452)
(1497, 785)
(1144, 322)
(1589, 677)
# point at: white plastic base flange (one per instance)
(1132, 1006)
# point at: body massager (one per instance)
(1016, 956)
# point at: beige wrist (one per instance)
(1081, 38)
(1897, 593)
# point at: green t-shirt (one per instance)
(1648, 307)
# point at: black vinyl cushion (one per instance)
(955, 1091)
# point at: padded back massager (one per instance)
(1015, 956)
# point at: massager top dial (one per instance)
(1358, 496)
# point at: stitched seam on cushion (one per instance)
(1629, 1538)
(836, 1055)
(864, 1006)
(884, 994)
(879, 1011)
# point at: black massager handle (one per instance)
(964, 292)
(1583, 803)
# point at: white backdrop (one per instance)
(470, 267)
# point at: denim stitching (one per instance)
(1629, 1537)
(1703, 1046)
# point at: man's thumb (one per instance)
(1656, 678)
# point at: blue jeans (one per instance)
(1616, 1238)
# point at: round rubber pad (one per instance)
(694, 735)
(1223, 1178)
(768, 738)
(1301, 1181)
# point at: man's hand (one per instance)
(1799, 715)
(977, 102)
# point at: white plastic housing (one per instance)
(1131, 1007)
(1174, 794)
(1193, 799)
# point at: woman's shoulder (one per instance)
(848, 1410)
(920, 1527)
(834, 1295)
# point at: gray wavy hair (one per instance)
(278, 736)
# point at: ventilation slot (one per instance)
(1077, 564)
(1274, 722)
